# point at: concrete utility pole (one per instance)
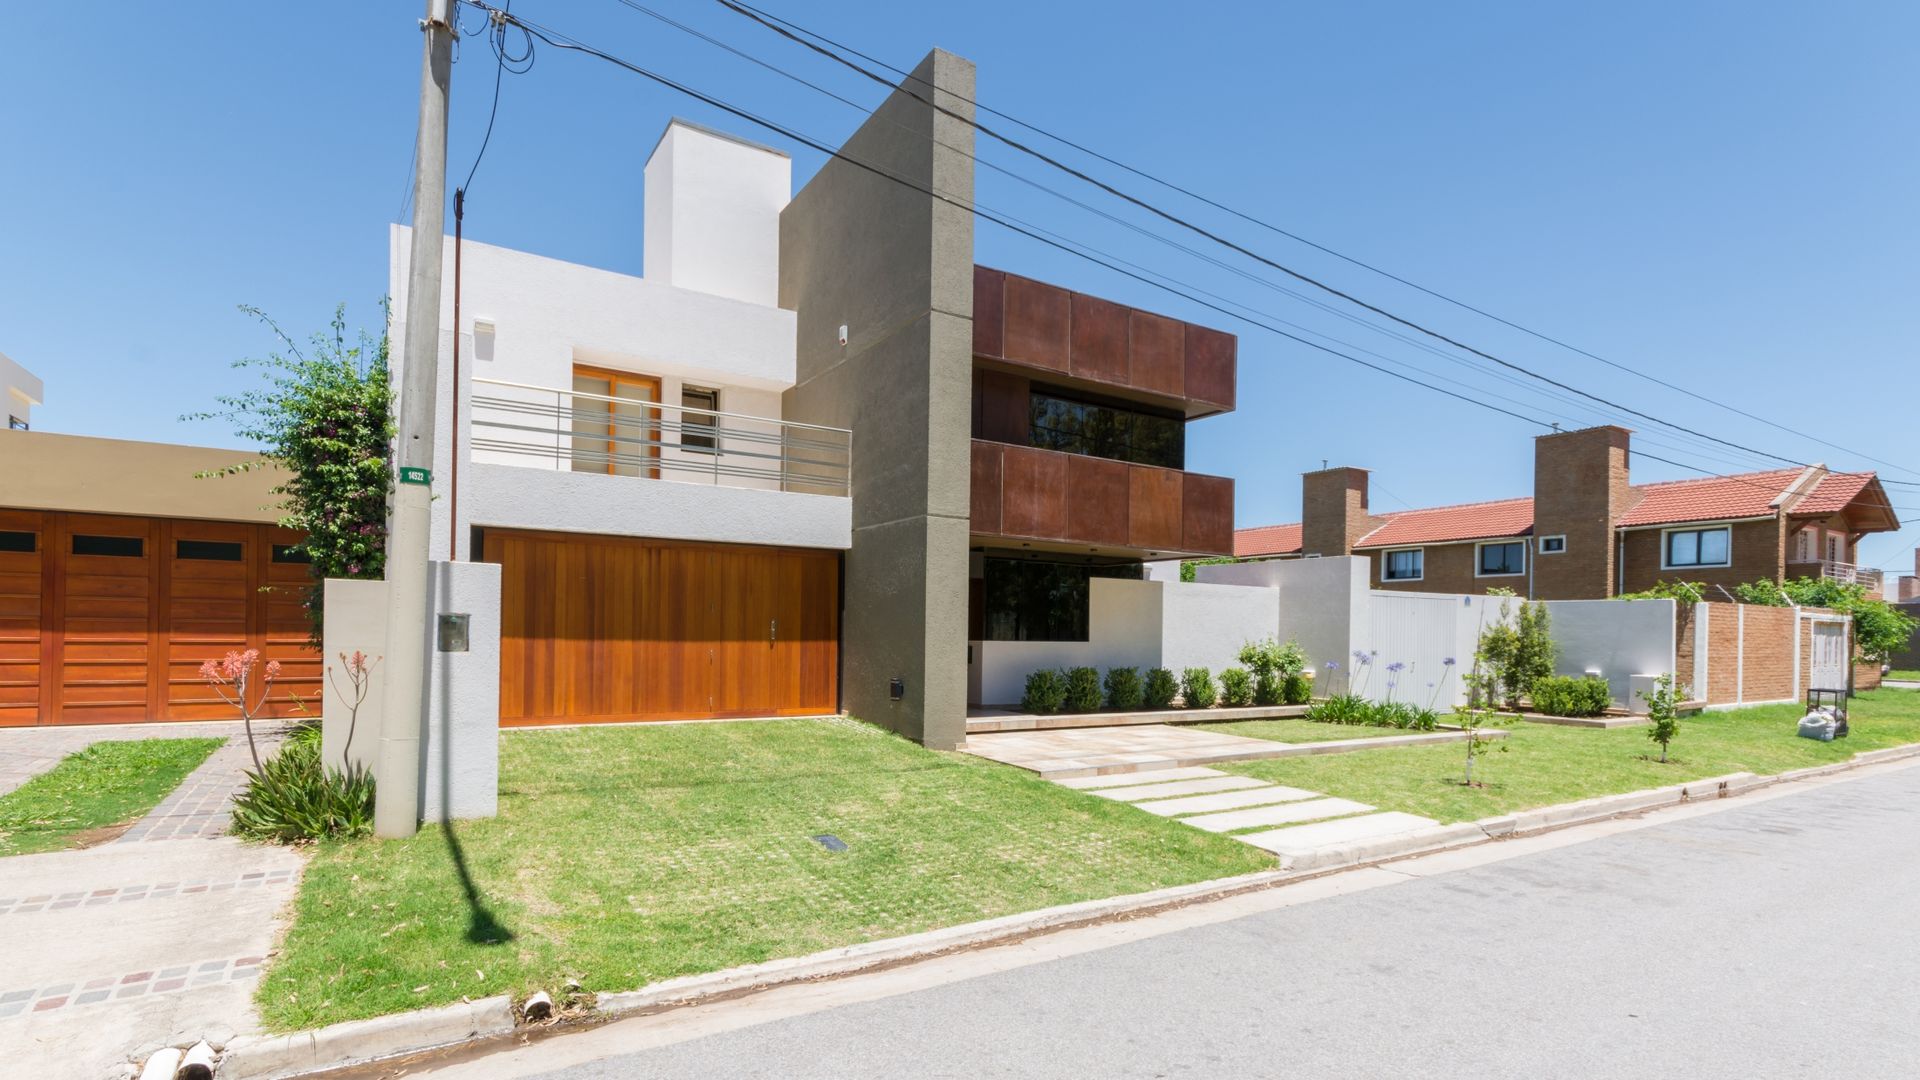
(396, 809)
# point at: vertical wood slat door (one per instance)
(108, 631)
(613, 628)
(23, 610)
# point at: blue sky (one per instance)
(1720, 194)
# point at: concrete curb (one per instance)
(358, 1042)
(354, 1042)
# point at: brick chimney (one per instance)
(1580, 488)
(1333, 511)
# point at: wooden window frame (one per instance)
(614, 378)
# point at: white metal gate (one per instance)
(1829, 669)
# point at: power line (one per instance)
(799, 34)
(776, 25)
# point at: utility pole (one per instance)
(396, 808)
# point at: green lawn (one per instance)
(108, 783)
(1544, 765)
(1904, 674)
(1301, 731)
(626, 855)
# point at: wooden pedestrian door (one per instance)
(1829, 668)
(599, 628)
(107, 619)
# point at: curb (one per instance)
(360, 1042)
(354, 1042)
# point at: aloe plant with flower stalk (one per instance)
(359, 672)
(232, 678)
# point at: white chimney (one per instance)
(713, 206)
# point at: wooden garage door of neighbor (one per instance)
(600, 628)
(107, 619)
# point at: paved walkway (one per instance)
(1283, 820)
(202, 805)
(1082, 752)
(26, 752)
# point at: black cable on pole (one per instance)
(789, 29)
(775, 25)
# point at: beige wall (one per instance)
(44, 471)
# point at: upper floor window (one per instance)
(1502, 559)
(1697, 547)
(1057, 422)
(696, 428)
(1409, 565)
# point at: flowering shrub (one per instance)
(232, 677)
(327, 419)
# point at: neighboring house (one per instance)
(1588, 532)
(813, 451)
(121, 571)
(1908, 587)
(20, 391)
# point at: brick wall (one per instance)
(1768, 674)
(1333, 511)
(1448, 569)
(1758, 549)
(1772, 638)
(1580, 488)
(1866, 676)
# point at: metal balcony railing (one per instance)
(581, 432)
(1840, 571)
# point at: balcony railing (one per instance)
(1838, 571)
(581, 432)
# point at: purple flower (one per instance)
(1396, 667)
(1333, 665)
(1448, 662)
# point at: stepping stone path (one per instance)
(1240, 806)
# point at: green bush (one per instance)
(1355, 710)
(1196, 688)
(293, 798)
(1046, 692)
(1159, 689)
(1123, 688)
(1269, 689)
(1570, 695)
(1340, 709)
(1296, 689)
(1083, 690)
(1236, 687)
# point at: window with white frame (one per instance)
(1407, 565)
(1502, 559)
(1552, 545)
(1697, 547)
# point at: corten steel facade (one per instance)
(1588, 532)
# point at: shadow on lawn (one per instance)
(482, 927)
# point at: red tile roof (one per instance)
(1267, 540)
(1712, 498)
(1834, 493)
(1442, 524)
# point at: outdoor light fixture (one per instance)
(896, 688)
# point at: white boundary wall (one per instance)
(1619, 639)
(1142, 624)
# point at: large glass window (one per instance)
(1698, 547)
(1107, 431)
(1031, 600)
(1497, 560)
(1407, 565)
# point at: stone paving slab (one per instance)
(982, 721)
(1083, 752)
(1084, 783)
(1227, 800)
(1180, 787)
(1282, 814)
(1301, 839)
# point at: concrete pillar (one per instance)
(894, 267)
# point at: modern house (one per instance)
(1589, 532)
(20, 391)
(813, 451)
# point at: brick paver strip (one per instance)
(159, 891)
(15, 1003)
(202, 805)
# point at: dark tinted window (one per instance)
(123, 547)
(1030, 600)
(18, 541)
(209, 550)
(1107, 431)
(290, 553)
(1503, 559)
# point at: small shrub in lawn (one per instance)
(1569, 695)
(1123, 688)
(1236, 687)
(1269, 689)
(1083, 690)
(1197, 689)
(1046, 692)
(1663, 713)
(1296, 689)
(1159, 689)
(1340, 709)
(293, 797)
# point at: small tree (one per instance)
(327, 419)
(1518, 650)
(1476, 714)
(1663, 713)
(232, 677)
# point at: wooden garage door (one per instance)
(106, 619)
(600, 628)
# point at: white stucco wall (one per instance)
(712, 213)
(1140, 624)
(1617, 638)
(20, 391)
(1323, 604)
(356, 621)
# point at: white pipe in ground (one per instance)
(197, 1064)
(162, 1065)
(538, 1007)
